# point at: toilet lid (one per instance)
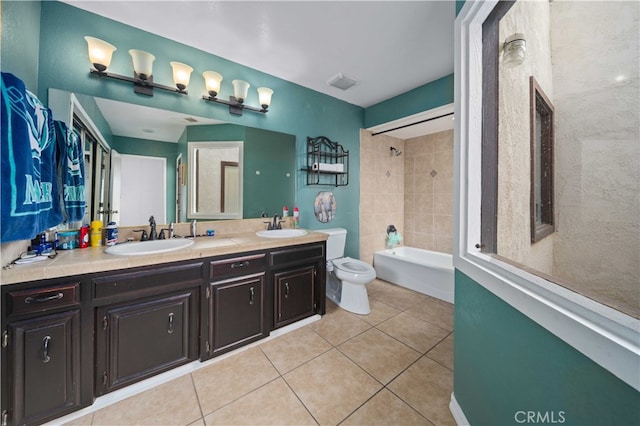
(353, 266)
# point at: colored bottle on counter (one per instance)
(111, 234)
(296, 217)
(95, 237)
(84, 237)
(285, 211)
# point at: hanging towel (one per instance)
(28, 164)
(70, 172)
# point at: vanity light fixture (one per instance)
(236, 103)
(100, 53)
(514, 49)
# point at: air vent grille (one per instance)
(342, 82)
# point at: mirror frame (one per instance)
(192, 213)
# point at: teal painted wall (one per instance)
(20, 41)
(272, 154)
(431, 95)
(505, 363)
(167, 150)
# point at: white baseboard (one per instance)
(456, 411)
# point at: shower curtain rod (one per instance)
(411, 124)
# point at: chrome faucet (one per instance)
(163, 236)
(193, 228)
(153, 235)
(277, 224)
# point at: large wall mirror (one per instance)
(262, 181)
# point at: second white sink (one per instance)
(149, 247)
(282, 233)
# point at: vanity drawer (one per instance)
(148, 281)
(43, 299)
(235, 266)
(297, 254)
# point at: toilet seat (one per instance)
(356, 268)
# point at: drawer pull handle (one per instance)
(252, 294)
(170, 331)
(45, 349)
(240, 264)
(286, 289)
(43, 299)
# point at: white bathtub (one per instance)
(424, 271)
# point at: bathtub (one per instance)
(424, 271)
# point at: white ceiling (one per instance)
(390, 47)
(141, 122)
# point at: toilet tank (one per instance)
(335, 242)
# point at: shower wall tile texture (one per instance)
(428, 186)
(413, 191)
(381, 191)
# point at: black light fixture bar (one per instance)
(142, 86)
(236, 107)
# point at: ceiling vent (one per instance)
(342, 82)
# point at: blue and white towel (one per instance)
(70, 172)
(30, 202)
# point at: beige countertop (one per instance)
(94, 259)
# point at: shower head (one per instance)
(395, 151)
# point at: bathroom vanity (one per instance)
(88, 323)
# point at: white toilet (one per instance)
(346, 277)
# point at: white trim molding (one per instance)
(457, 413)
(605, 335)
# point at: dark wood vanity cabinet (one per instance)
(236, 308)
(298, 276)
(40, 353)
(146, 322)
(66, 341)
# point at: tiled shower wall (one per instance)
(381, 191)
(413, 191)
(428, 192)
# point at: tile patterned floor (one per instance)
(391, 367)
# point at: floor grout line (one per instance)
(339, 350)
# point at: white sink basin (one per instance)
(282, 233)
(148, 247)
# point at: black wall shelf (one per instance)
(327, 162)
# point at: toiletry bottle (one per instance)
(285, 211)
(84, 236)
(96, 233)
(296, 217)
(111, 234)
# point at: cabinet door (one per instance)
(45, 354)
(294, 297)
(138, 340)
(236, 312)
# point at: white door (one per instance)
(144, 193)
